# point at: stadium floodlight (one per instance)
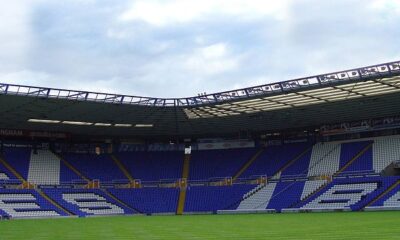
(122, 125)
(144, 125)
(77, 123)
(103, 124)
(43, 120)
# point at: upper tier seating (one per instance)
(385, 151)
(324, 159)
(44, 168)
(95, 167)
(362, 163)
(299, 167)
(18, 158)
(206, 164)
(153, 166)
(274, 158)
(5, 174)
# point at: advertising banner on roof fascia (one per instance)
(26, 133)
(226, 145)
(12, 133)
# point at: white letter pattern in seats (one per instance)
(13, 203)
(3, 176)
(94, 204)
(340, 196)
(393, 201)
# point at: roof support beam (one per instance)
(349, 91)
(229, 109)
(386, 84)
(311, 96)
(279, 102)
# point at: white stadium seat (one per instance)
(258, 200)
(92, 203)
(44, 168)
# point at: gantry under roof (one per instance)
(350, 95)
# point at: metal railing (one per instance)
(358, 74)
(204, 182)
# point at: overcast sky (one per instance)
(178, 48)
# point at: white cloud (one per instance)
(211, 60)
(27, 77)
(214, 51)
(387, 6)
(14, 34)
(165, 12)
(173, 48)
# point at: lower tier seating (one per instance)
(211, 199)
(4, 176)
(351, 171)
(26, 203)
(83, 202)
(149, 200)
(391, 199)
(349, 193)
(342, 193)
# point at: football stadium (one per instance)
(310, 158)
(199, 119)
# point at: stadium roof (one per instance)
(350, 95)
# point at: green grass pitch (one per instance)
(361, 225)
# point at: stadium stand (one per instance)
(4, 173)
(43, 167)
(211, 199)
(69, 173)
(299, 166)
(26, 203)
(273, 159)
(362, 163)
(99, 167)
(346, 191)
(153, 166)
(257, 198)
(44, 161)
(311, 187)
(4, 176)
(149, 200)
(341, 196)
(352, 193)
(385, 151)
(209, 164)
(310, 144)
(84, 202)
(18, 158)
(391, 199)
(285, 194)
(325, 159)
